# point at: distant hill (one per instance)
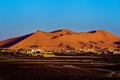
(64, 39)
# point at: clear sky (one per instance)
(19, 17)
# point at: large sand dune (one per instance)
(65, 39)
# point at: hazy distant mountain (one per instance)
(64, 39)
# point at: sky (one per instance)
(19, 17)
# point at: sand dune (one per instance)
(64, 39)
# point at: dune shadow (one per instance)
(15, 41)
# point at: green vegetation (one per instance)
(112, 61)
(4, 60)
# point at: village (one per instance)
(53, 53)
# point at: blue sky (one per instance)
(19, 17)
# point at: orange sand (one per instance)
(64, 39)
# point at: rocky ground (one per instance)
(73, 68)
(58, 71)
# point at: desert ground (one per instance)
(57, 69)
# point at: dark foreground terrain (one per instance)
(59, 68)
(58, 71)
